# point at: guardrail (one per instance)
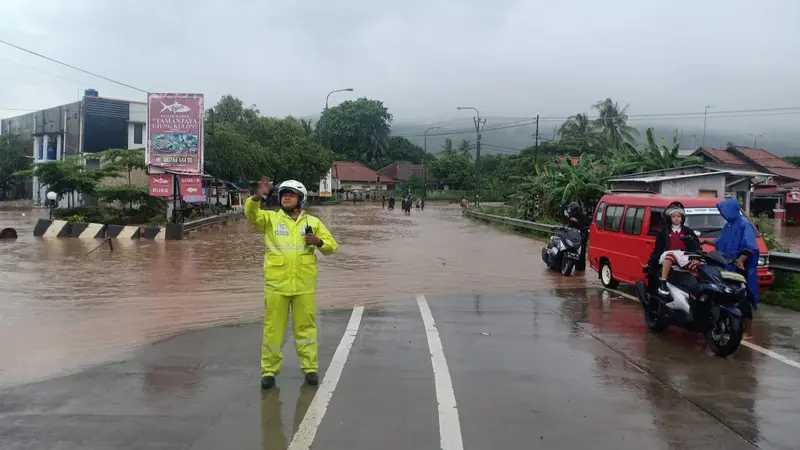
(177, 231)
(528, 225)
(787, 262)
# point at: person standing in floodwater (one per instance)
(292, 237)
(383, 202)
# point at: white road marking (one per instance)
(307, 430)
(449, 425)
(747, 344)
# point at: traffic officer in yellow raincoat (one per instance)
(290, 272)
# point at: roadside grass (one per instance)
(784, 292)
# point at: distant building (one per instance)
(777, 195)
(91, 125)
(404, 170)
(353, 178)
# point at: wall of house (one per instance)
(137, 125)
(693, 186)
(360, 185)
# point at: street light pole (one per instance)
(755, 139)
(327, 97)
(478, 127)
(705, 119)
(424, 168)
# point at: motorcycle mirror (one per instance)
(696, 233)
(687, 238)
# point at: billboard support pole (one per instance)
(174, 199)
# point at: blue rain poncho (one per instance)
(739, 234)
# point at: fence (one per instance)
(787, 262)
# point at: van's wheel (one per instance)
(607, 276)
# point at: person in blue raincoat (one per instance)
(738, 241)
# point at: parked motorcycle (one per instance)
(706, 301)
(563, 251)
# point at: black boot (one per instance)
(662, 288)
(312, 378)
(267, 382)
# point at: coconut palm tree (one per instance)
(665, 157)
(611, 124)
(465, 148)
(577, 127)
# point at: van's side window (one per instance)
(656, 221)
(613, 218)
(634, 216)
(598, 218)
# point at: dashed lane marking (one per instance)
(747, 344)
(449, 425)
(307, 430)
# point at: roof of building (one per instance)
(753, 158)
(355, 171)
(402, 170)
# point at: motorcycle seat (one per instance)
(682, 279)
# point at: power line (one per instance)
(72, 67)
(791, 110)
(43, 72)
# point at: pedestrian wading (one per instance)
(8, 233)
(292, 238)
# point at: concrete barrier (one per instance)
(173, 231)
(60, 228)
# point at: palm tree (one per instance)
(576, 127)
(447, 148)
(375, 147)
(465, 149)
(611, 125)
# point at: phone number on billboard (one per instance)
(174, 160)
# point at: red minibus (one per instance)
(624, 228)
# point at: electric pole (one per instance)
(536, 143)
(479, 125)
(705, 119)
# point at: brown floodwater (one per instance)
(61, 310)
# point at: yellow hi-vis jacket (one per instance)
(290, 265)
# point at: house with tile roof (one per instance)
(349, 178)
(403, 170)
(776, 195)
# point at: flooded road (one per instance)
(64, 310)
(464, 341)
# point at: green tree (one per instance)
(447, 148)
(454, 170)
(245, 145)
(68, 176)
(665, 157)
(464, 148)
(12, 160)
(611, 126)
(415, 184)
(357, 130)
(793, 160)
(401, 149)
(578, 131)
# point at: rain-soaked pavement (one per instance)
(115, 350)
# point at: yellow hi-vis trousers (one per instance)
(304, 312)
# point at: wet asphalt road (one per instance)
(531, 359)
(529, 370)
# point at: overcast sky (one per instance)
(512, 58)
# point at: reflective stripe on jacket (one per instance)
(290, 266)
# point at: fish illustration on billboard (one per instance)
(175, 107)
(175, 143)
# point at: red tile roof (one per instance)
(763, 158)
(354, 171)
(402, 170)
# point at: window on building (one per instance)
(633, 221)
(613, 218)
(656, 221)
(138, 131)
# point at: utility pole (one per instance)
(479, 125)
(536, 144)
(425, 168)
(705, 120)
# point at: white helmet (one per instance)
(293, 186)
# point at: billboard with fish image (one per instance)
(175, 132)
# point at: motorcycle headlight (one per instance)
(763, 261)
